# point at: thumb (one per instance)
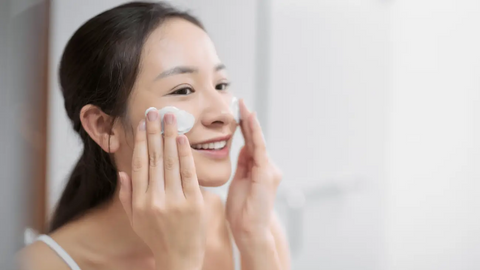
(125, 193)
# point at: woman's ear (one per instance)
(99, 126)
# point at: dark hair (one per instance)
(99, 66)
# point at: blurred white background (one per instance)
(371, 109)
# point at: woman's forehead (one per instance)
(178, 42)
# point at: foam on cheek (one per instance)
(185, 120)
(235, 108)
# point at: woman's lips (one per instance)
(217, 148)
(215, 153)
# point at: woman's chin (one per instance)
(212, 182)
(214, 178)
(213, 173)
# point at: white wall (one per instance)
(327, 124)
(387, 91)
(433, 210)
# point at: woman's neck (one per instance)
(107, 231)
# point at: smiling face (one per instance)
(180, 67)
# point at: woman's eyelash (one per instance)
(183, 91)
(188, 90)
(222, 86)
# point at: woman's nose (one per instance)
(217, 113)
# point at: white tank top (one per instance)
(59, 250)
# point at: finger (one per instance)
(260, 155)
(125, 194)
(140, 164)
(249, 168)
(245, 126)
(155, 152)
(242, 164)
(173, 185)
(190, 185)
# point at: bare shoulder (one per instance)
(38, 256)
(219, 252)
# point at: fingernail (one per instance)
(142, 125)
(152, 114)
(169, 118)
(181, 140)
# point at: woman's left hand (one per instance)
(253, 189)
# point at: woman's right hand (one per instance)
(162, 199)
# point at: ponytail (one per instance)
(92, 182)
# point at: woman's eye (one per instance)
(222, 86)
(183, 91)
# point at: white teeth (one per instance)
(210, 146)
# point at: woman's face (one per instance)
(180, 68)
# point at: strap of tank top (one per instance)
(59, 250)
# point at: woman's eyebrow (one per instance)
(176, 70)
(184, 70)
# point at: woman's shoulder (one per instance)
(39, 256)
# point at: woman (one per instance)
(134, 200)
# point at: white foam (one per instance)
(235, 108)
(185, 120)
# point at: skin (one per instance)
(159, 195)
